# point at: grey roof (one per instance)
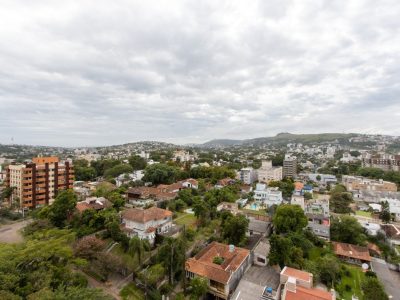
(258, 226)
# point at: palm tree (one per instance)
(138, 247)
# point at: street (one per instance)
(10, 233)
(390, 279)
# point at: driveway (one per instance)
(390, 279)
(10, 233)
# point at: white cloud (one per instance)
(101, 72)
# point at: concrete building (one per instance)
(38, 182)
(358, 183)
(146, 223)
(384, 162)
(224, 276)
(269, 173)
(267, 196)
(299, 285)
(289, 166)
(247, 175)
(317, 213)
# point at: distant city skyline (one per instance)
(94, 73)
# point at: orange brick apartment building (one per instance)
(37, 183)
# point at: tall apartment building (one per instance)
(247, 175)
(289, 166)
(384, 162)
(268, 173)
(37, 183)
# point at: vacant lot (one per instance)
(10, 233)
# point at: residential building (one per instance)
(144, 195)
(247, 175)
(127, 178)
(96, 203)
(394, 207)
(352, 253)
(267, 196)
(261, 253)
(384, 162)
(269, 173)
(258, 227)
(317, 213)
(183, 156)
(233, 208)
(323, 179)
(37, 183)
(297, 199)
(260, 282)
(146, 223)
(289, 166)
(224, 182)
(358, 183)
(298, 285)
(222, 278)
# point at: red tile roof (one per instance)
(202, 264)
(351, 251)
(145, 215)
(303, 293)
(300, 275)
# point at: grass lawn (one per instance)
(315, 253)
(186, 219)
(363, 213)
(354, 280)
(131, 292)
(256, 212)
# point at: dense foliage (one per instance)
(289, 218)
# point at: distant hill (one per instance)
(281, 138)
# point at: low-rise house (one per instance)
(259, 227)
(297, 199)
(96, 203)
(140, 195)
(267, 196)
(317, 213)
(352, 253)
(259, 283)
(146, 223)
(224, 182)
(358, 183)
(221, 265)
(298, 285)
(228, 206)
(261, 253)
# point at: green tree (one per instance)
(137, 162)
(199, 287)
(289, 218)
(329, 269)
(373, 289)
(138, 247)
(172, 254)
(118, 170)
(153, 274)
(201, 211)
(308, 196)
(161, 174)
(234, 229)
(340, 199)
(385, 215)
(62, 208)
(347, 229)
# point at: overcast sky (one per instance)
(83, 73)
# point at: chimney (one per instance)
(291, 284)
(231, 248)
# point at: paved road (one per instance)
(10, 233)
(390, 279)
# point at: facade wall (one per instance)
(38, 184)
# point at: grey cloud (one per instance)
(100, 72)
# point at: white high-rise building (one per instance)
(268, 173)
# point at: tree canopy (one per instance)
(289, 218)
(347, 229)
